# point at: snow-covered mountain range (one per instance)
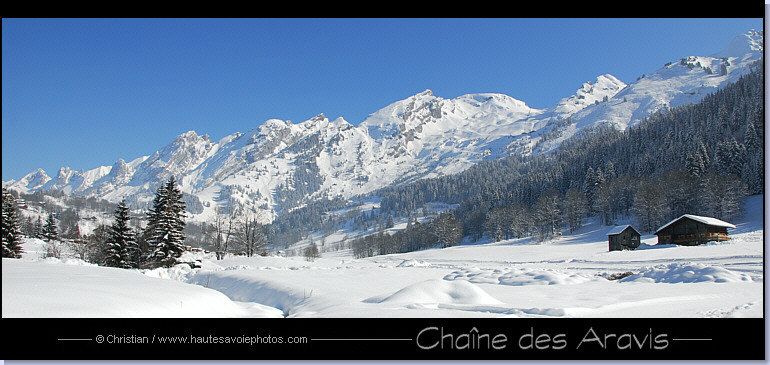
(281, 165)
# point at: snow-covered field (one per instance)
(562, 278)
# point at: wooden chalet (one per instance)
(623, 238)
(692, 230)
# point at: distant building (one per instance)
(624, 238)
(693, 230)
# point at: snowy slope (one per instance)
(70, 287)
(605, 87)
(280, 165)
(54, 289)
(678, 82)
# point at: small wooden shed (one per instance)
(693, 230)
(623, 238)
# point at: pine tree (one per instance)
(11, 231)
(750, 139)
(753, 169)
(589, 185)
(731, 156)
(548, 216)
(604, 203)
(50, 232)
(650, 206)
(97, 242)
(121, 246)
(495, 224)
(51, 236)
(447, 229)
(696, 166)
(704, 154)
(723, 196)
(575, 208)
(520, 221)
(38, 228)
(28, 227)
(166, 224)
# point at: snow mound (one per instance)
(179, 272)
(414, 263)
(191, 256)
(687, 273)
(440, 292)
(67, 261)
(520, 277)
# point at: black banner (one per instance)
(561, 9)
(410, 338)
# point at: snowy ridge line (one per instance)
(280, 165)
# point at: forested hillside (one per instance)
(701, 159)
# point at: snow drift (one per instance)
(439, 292)
(686, 273)
(520, 277)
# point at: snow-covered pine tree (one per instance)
(447, 229)
(548, 215)
(731, 156)
(120, 247)
(496, 224)
(574, 208)
(166, 224)
(723, 196)
(650, 206)
(38, 228)
(604, 203)
(27, 226)
(521, 220)
(11, 231)
(696, 166)
(50, 232)
(589, 186)
(51, 236)
(153, 230)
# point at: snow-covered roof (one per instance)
(619, 229)
(705, 220)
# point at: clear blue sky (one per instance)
(84, 93)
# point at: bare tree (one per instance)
(80, 247)
(311, 252)
(251, 234)
(223, 230)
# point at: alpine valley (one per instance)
(633, 198)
